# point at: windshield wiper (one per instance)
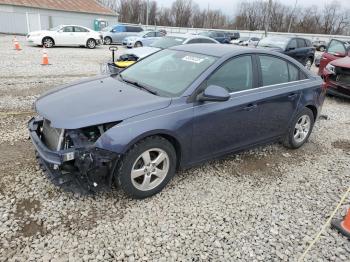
(137, 84)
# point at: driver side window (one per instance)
(292, 44)
(68, 29)
(235, 75)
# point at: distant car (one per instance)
(221, 37)
(131, 56)
(336, 75)
(144, 38)
(320, 45)
(299, 48)
(335, 50)
(117, 33)
(172, 110)
(233, 35)
(246, 41)
(65, 35)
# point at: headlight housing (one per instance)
(330, 68)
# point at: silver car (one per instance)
(144, 38)
(117, 33)
(166, 42)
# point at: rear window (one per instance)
(336, 46)
(133, 29)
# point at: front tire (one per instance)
(48, 42)
(308, 63)
(138, 44)
(107, 40)
(322, 48)
(91, 43)
(147, 167)
(300, 129)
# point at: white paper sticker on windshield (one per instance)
(193, 59)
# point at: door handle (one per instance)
(250, 107)
(292, 96)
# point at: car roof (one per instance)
(211, 49)
(187, 36)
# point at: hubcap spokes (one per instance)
(150, 169)
(302, 128)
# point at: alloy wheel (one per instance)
(150, 169)
(308, 64)
(48, 42)
(108, 41)
(91, 44)
(302, 128)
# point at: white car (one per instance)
(66, 35)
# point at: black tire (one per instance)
(48, 42)
(138, 44)
(289, 139)
(107, 40)
(91, 43)
(308, 62)
(322, 48)
(131, 158)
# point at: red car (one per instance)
(335, 68)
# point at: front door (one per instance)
(219, 127)
(65, 36)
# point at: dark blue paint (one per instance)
(202, 129)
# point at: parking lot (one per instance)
(265, 204)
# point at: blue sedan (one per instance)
(174, 109)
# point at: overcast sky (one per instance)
(229, 6)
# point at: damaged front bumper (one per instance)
(82, 169)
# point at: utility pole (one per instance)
(291, 16)
(147, 12)
(267, 17)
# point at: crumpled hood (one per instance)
(141, 52)
(342, 62)
(95, 101)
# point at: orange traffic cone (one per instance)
(16, 44)
(343, 226)
(45, 60)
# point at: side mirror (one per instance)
(113, 31)
(60, 31)
(290, 48)
(214, 93)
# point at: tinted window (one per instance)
(80, 29)
(220, 34)
(119, 28)
(234, 75)
(68, 29)
(336, 46)
(293, 43)
(206, 41)
(301, 42)
(151, 34)
(293, 72)
(194, 41)
(133, 29)
(274, 70)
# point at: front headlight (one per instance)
(330, 68)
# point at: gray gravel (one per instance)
(266, 204)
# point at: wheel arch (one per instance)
(47, 36)
(313, 109)
(164, 134)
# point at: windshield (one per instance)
(279, 42)
(168, 41)
(56, 28)
(204, 33)
(168, 72)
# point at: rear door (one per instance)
(279, 95)
(80, 35)
(336, 49)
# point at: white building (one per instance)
(23, 16)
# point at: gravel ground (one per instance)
(262, 205)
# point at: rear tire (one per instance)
(308, 62)
(91, 43)
(107, 40)
(300, 129)
(147, 167)
(322, 48)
